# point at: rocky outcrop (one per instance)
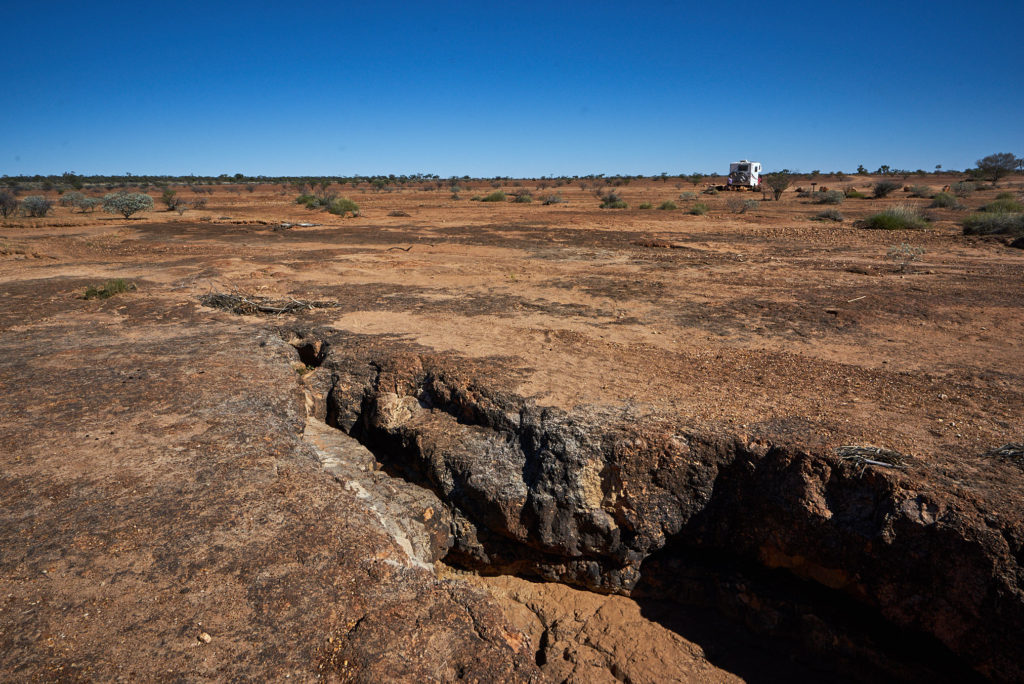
(593, 500)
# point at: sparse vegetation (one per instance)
(170, 200)
(922, 191)
(996, 166)
(36, 206)
(8, 203)
(896, 217)
(884, 189)
(777, 182)
(554, 199)
(994, 224)
(127, 203)
(1003, 205)
(496, 196)
(827, 197)
(687, 196)
(853, 193)
(668, 205)
(108, 289)
(904, 253)
(522, 198)
(645, 205)
(699, 209)
(964, 188)
(613, 201)
(340, 206)
(830, 215)
(944, 200)
(709, 191)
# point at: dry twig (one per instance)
(251, 305)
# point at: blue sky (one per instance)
(518, 89)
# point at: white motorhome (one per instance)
(744, 174)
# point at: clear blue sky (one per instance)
(518, 89)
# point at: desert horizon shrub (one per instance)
(884, 189)
(496, 196)
(36, 206)
(613, 201)
(996, 223)
(554, 199)
(340, 206)
(922, 191)
(8, 203)
(827, 197)
(699, 209)
(853, 193)
(668, 205)
(964, 188)
(522, 198)
(944, 200)
(126, 203)
(896, 217)
(68, 199)
(830, 215)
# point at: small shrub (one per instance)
(127, 203)
(750, 205)
(613, 201)
(554, 199)
(476, 198)
(922, 191)
(1006, 196)
(170, 200)
(69, 199)
(1003, 206)
(897, 217)
(668, 205)
(8, 203)
(827, 197)
(994, 224)
(944, 200)
(341, 206)
(853, 193)
(522, 198)
(699, 209)
(396, 212)
(709, 191)
(88, 204)
(308, 201)
(687, 196)
(455, 196)
(830, 215)
(904, 253)
(964, 188)
(36, 206)
(496, 196)
(645, 205)
(108, 289)
(884, 189)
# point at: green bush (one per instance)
(127, 203)
(853, 193)
(687, 196)
(668, 205)
(830, 215)
(645, 205)
(496, 196)
(554, 199)
(827, 197)
(68, 199)
(994, 223)
(89, 204)
(964, 188)
(1003, 206)
(522, 198)
(8, 203)
(699, 209)
(709, 191)
(308, 201)
(613, 201)
(922, 191)
(108, 289)
(1006, 195)
(341, 206)
(897, 217)
(36, 206)
(884, 189)
(944, 200)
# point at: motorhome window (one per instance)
(743, 167)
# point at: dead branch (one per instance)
(251, 305)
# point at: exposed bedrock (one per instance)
(760, 531)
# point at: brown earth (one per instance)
(161, 482)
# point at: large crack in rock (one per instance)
(867, 566)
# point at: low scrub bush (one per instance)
(613, 201)
(340, 206)
(88, 204)
(668, 205)
(308, 201)
(8, 203)
(830, 215)
(199, 203)
(884, 189)
(170, 199)
(108, 289)
(1006, 195)
(827, 197)
(897, 217)
(994, 224)
(922, 191)
(522, 198)
(68, 199)
(554, 199)
(687, 196)
(645, 205)
(397, 212)
(496, 196)
(944, 200)
(1003, 206)
(699, 209)
(127, 203)
(964, 188)
(36, 206)
(709, 191)
(853, 193)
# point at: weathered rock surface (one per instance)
(589, 499)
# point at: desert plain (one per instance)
(501, 441)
